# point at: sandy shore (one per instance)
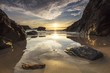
(9, 57)
(60, 64)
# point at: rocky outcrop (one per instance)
(26, 27)
(95, 19)
(40, 29)
(84, 52)
(31, 32)
(10, 32)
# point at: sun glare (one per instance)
(55, 26)
(55, 36)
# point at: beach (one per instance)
(49, 50)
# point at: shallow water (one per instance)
(49, 48)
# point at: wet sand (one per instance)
(62, 65)
(9, 57)
(84, 66)
(102, 44)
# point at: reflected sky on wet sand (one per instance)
(50, 51)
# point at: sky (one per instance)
(52, 14)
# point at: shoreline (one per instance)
(10, 57)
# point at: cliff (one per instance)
(10, 31)
(95, 19)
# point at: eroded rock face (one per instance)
(84, 52)
(95, 19)
(9, 30)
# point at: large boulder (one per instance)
(84, 52)
(95, 19)
(32, 32)
(10, 30)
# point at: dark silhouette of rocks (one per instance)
(40, 29)
(10, 31)
(31, 32)
(84, 52)
(26, 27)
(95, 19)
(33, 36)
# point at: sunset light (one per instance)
(55, 25)
(54, 36)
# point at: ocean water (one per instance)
(48, 48)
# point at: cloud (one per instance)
(76, 14)
(48, 10)
(42, 12)
(79, 8)
(16, 9)
(75, 11)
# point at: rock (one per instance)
(26, 27)
(5, 44)
(33, 66)
(84, 52)
(33, 36)
(95, 19)
(40, 29)
(10, 30)
(31, 32)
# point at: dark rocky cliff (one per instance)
(95, 19)
(10, 32)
